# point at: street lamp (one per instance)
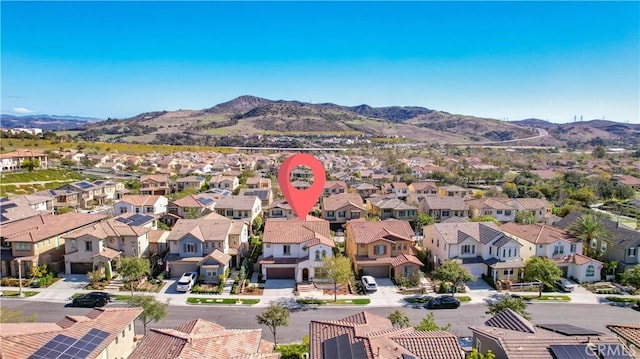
(20, 278)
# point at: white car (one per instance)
(186, 282)
(369, 283)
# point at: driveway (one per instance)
(387, 294)
(63, 289)
(276, 289)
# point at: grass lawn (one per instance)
(224, 301)
(560, 298)
(14, 293)
(622, 299)
(464, 298)
(358, 301)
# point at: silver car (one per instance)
(565, 285)
(369, 283)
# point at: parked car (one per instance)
(90, 300)
(186, 282)
(369, 283)
(105, 295)
(565, 285)
(443, 302)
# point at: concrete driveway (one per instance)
(387, 295)
(276, 289)
(63, 289)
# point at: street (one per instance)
(591, 316)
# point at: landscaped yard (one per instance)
(357, 301)
(223, 301)
(544, 297)
(14, 293)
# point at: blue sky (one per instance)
(502, 60)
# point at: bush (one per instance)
(234, 289)
(489, 280)
(444, 288)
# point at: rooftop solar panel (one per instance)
(568, 329)
(123, 220)
(204, 200)
(5, 206)
(64, 347)
(614, 351)
(572, 352)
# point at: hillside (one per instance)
(250, 115)
(593, 131)
(45, 122)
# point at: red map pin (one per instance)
(302, 201)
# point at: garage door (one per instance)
(81, 268)
(476, 269)
(281, 273)
(177, 268)
(377, 272)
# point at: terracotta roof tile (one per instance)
(295, 231)
(404, 259)
(42, 227)
(367, 232)
(629, 333)
(538, 233)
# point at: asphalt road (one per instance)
(591, 316)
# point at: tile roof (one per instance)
(508, 319)
(42, 227)
(538, 233)
(15, 209)
(404, 259)
(217, 256)
(154, 178)
(489, 203)
(577, 258)
(392, 203)
(202, 228)
(367, 232)
(454, 233)
(629, 333)
(20, 340)
(238, 203)
(202, 339)
(421, 186)
(532, 203)
(621, 235)
(339, 201)
(109, 228)
(365, 186)
(295, 231)
(335, 184)
(445, 203)
(140, 199)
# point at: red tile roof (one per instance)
(538, 233)
(404, 259)
(367, 232)
(629, 333)
(295, 231)
(43, 227)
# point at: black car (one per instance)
(106, 295)
(90, 300)
(443, 302)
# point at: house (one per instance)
(15, 209)
(481, 247)
(629, 335)
(539, 207)
(111, 190)
(192, 243)
(623, 246)
(454, 191)
(102, 333)
(192, 206)
(154, 185)
(265, 194)
(365, 335)
(366, 190)
(61, 198)
(39, 240)
(258, 183)
(400, 190)
(334, 187)
(239, 207)
(293, 249)
(300, 185)
(385, 208)
(501, 211)
(139, 203)
(554, 243)
(441, 208)
(89, 194)
(189, 183)
(428, 188)
(98, 244)
(510, 336)
(340, 208)
(12, 161)
(224, 182)
(280, 209)
(382, 249)
(204, 340)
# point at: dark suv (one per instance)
(91, 300)
(442, 302)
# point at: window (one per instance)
(229, 213)
(499, 211)
(88, 246)
(593, 243)
(362, 246)
(488, 212)
(116, 340)
(603, 246)
(189, 247)
(632, 252)
(438, 243)
(317, 255)
(509, 252)
(490, 249)
(341, 214)
(590, 270)
(380, 249)
(468, 249)
(137, 210)
(401, 214)
(123, 333)
(573, 248)
(507, 212)
(558, 249)
(478, 345)
(445, 213)
(149, 209)
(331, 214)
(407, 271)
(286, 249)
(355, 215)
(23, 246)
(504, 252)
(324, 253)
(123, 210)
(73, 244)
(129, 326)
(393, 247)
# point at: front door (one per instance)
(305, 274)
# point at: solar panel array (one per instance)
(572, 352)
(65, 347)
(204, 200)
(84, 185)
(340, 348)
(568, 329)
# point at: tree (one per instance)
(632, 277)
(518, 305)
(510, 189)
(134, 268)
(95, 276)
(336, 268)
(610, 267)
(257, 225)
(423, 219)
(152, 309)
(399, 320)
(485, 218)
(542, 269)
(428, 323)
(477, 355)
(273, 317)
(589, 228)
(599, 152)
(451, 271)
(525, 217)
(30, 164)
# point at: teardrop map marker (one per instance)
(302, 201)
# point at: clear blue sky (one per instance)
(495, 59)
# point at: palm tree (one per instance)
(589, 228)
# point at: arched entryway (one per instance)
(305, 274)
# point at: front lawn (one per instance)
(358, 301)
(622, 300)
(544, 297)
(223, 301)
(14, 293)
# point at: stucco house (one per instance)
(338, 209)
(144, 204)
(501, 211)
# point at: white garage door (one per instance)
(476, 269)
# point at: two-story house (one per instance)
(428, 188)
(188, 183)
(12, 161)
(400, 190)
(623, 246)
(154, 185)
(554, 243)
(454, 191)
(382, 249)
(265, 194)
(340, 208)
(294, 249)
(258, 183)
(481, 247)
(61, 198)
(139, 203)
(239, 207)
(501, 211)
(99, 244)
(442, 208)
(280, 209)
(334, 187)
(206, 245)
(39, 240)
(89, 194)
(192, 206)
(385, 208)
(16, 209)
(224, 182)
(111, 190)
(366, 190)
(539, 207)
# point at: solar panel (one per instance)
(84, 185)
(572, 352)
(123, 220)
(6, 206)
(614, 351)
(340, 347)
(204, 200)
(407, 356)
(64, 347)
(568, 329)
